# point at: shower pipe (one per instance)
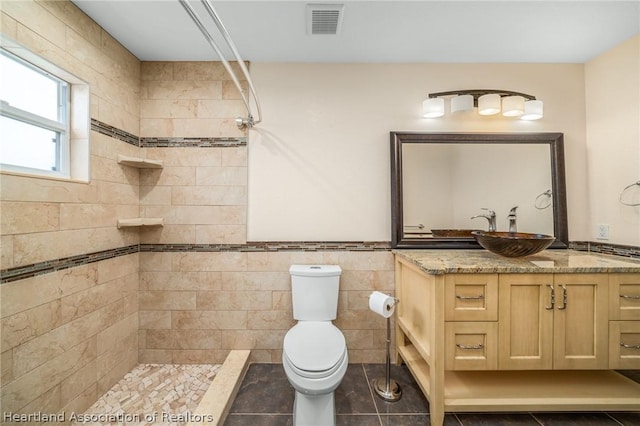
(242, 123)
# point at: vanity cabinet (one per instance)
(553, 321)
(511, 336)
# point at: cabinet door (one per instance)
(581, 321)
(525, 338)
(624, 296)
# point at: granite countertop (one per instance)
(436, 262)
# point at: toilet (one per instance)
(314, 353)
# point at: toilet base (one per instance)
(314, 410)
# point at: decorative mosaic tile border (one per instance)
(27, 271)
(40, 268)
(177, 142)
(604, 248)
(147, 142)
(114, 132)
(261, 246)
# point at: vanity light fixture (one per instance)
(488, 102)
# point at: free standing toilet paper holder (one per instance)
(387, 388)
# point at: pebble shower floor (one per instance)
(152, 394)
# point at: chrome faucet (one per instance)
(512, 220)
(490, 216)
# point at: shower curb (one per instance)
(216, 402)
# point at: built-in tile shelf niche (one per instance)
(140, 163)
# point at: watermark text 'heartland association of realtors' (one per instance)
(122, 418)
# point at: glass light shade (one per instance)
(433, 108)
(489, 104)
(462, 103)
(512, 106)
(532, 110)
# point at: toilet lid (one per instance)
(314, 345)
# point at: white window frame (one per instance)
(75, 121)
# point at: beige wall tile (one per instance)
(168, 175)
(118, 267)
(155, 356)
(183, 339)
(23, 390)
(26, 325)
(155, 262)
(221, 234)
(199, 356)
(78, 382)
(83, 401)
(59, 341)
(192, 156)
(20, 217)
(220, 108)
(6, 367)
(247, 281)
(155, 195)
(270, 320)
(168, 234)
(156, 71)
(155, 320)
(224, 175)
(223, 261)
(197, 215)
(18, 296)
(209, 195)
(209, 320)
(21, 188)
(163, 108)
(234, 157)
(6, 251)
(39, 19)
(170, 300)
(253, 339)
(204, 281)
(234, 300)
(182, 89)
(79, 216)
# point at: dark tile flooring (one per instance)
(265, 398)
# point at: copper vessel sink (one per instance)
(513, 244)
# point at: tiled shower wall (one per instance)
(68, 335)
(93, 302)
(203, 291)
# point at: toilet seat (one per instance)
(314, 349)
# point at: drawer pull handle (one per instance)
(478, 346)
(478, 297)
(564, 298)
(553, 298)
(624, 345)
(625, 296)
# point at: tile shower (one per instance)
(82, 302)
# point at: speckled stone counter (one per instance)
(435, 262)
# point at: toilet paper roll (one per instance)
(382, 304)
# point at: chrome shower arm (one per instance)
(241, 122)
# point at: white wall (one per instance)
(319, 162)
(612, 82)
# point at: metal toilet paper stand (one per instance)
(387, 388)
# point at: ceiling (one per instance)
(376, 31)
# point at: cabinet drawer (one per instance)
(471, 297)
(471, 345)
(624, 345)
(624, 296)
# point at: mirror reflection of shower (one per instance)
(242, 122)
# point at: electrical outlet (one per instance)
(602, 232)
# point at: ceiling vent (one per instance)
(324, 18)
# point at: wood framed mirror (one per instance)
(443, 183)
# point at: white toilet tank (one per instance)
(314, 292)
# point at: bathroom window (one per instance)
(38, 102)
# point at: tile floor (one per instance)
(265, 398)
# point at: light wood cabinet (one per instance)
(553, 321)
(518, 341)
